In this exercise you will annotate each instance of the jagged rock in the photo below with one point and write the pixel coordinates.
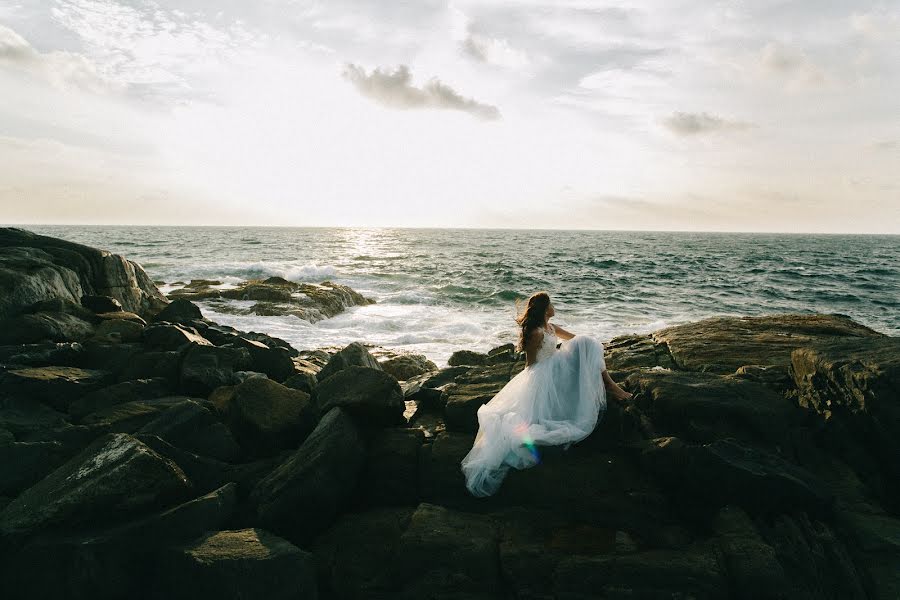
(407, 366)
(427, 388)
(703, 407)
(207, 367)
(245, 563)
(119, 393)
(192, 426)
(467, 357)
(369, 394)
(221, 335)
(122, 316)
(119, 330)
(162, 335)
(275, 362)
(723, 344)
(39, 267)
(179, 311)
(267, 417)
(115, 476)
(101, 304)
(627, 352)
(874, 540)
(472, 389)
(55, 386)
(305, 493)
(353, 354)
(128, 417)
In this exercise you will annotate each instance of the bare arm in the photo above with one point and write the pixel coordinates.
(532, 345)
(560, 332)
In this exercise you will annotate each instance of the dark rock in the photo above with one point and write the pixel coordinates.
(24, 416)
(207, 367)
(392, 471)
(302, 381)
(44, 327)
(275, 362)
(369, 394)
(267, 417)
(407, 366)
(171, 336)
(179, 311)
(119, 330)
(152, 365)
(67, 354)
(101, 304)
(246, 563)
(22, 464)
(191, 426)
(627, 352)
(114, 477)
(39, 267)
(55, 386)
(354, 354)
(119, 393)
(304, 494)
(703, 407)
(128, 417)
(467, 357)
(474, 388)
(723, 344)
(122, 316)
(874, 542)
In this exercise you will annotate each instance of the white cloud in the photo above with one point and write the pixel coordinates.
(688, 124)
(792, 66)
(64, 70)
(395, 89)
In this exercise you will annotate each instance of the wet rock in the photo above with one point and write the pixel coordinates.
(115, 476)
(245, 563)
(267, 417)
(304, 494)
(354, 354)
(407, 366)
(369, 394)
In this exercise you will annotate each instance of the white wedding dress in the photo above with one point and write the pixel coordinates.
(558, 399)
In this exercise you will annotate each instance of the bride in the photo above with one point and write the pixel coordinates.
(557, 399)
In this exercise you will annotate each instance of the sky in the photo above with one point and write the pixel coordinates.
(695, 115)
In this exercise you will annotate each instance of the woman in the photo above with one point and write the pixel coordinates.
(557, 399)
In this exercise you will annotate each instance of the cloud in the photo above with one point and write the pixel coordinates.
(63, 70)
(791, 65)
(885, 145)
(687, 124)
(395, 90)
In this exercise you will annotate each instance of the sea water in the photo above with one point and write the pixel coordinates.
(441, 290)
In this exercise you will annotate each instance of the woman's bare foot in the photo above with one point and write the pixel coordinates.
(618, 393)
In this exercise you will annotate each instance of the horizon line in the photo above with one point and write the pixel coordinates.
(383, 227)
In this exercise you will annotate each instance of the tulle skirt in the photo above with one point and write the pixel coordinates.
(557, 400)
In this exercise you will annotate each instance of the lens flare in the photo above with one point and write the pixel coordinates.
(528, 441)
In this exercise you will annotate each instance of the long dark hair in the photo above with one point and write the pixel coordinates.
(533, 316)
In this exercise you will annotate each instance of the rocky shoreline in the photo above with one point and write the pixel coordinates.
(152, 453)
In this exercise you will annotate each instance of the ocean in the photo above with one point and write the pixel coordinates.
(442, 290)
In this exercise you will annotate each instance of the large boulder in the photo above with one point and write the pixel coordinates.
(407, 366)
(55, 386)
(369, 394)
(36, 267)
(472, 389)
(119, 393)
(237, 564)
(44, 326)
(205, 368)
(722, 344)
(353, 354)
(114, 477)
(304, 494)
(391, 475)
(192, 426)
(267, 417)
